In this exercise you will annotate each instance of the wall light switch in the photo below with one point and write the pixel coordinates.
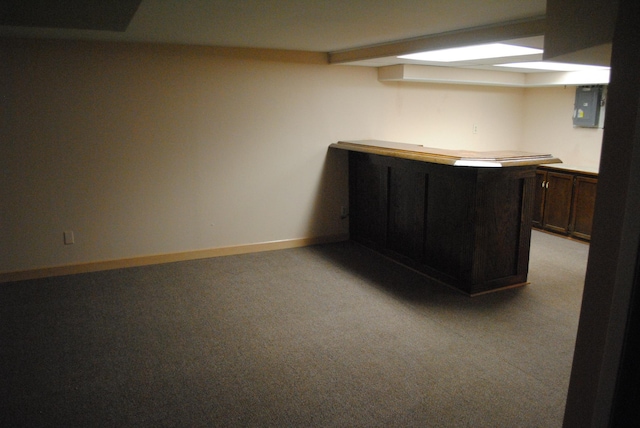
(68, 237)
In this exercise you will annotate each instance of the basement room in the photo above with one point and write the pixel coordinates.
(299, 213)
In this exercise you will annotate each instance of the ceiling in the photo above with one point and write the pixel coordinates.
(307, 25)
(353, 32)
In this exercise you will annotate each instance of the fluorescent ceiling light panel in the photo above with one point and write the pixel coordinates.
(552, 66)
(469, 53)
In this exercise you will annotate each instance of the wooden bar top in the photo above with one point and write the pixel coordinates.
(491, 159)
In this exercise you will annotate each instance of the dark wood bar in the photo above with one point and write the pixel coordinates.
(460, 217)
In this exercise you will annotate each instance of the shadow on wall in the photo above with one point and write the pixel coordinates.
(331, 195)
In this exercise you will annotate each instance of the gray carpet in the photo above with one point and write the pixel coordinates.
(327, 336)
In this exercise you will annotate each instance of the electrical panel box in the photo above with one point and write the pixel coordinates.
(586, 109)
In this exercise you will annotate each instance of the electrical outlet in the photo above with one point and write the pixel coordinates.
(68, 237)
(343, 212)
(475, 129)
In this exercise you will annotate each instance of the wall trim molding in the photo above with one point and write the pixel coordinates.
(167, 258)
(93, 46)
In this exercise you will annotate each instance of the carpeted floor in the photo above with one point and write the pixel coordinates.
(327, 336)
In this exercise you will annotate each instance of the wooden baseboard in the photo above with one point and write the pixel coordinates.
(166, 258)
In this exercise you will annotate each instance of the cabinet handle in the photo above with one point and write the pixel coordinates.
(543, 184)
(547, 186)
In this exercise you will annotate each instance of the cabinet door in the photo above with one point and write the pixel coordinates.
(538, 204)
(584, 200)
(557, 204)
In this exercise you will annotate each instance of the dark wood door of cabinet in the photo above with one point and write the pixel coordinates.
(557, 204)
(584, 200)
(538, 203)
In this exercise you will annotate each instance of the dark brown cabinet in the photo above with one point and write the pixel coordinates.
(538, 204)
(564, 201)
(460, 217)
(467, 227)
(557, 201)
(584, 201)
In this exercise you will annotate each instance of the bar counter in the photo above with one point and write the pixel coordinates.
(460, 217)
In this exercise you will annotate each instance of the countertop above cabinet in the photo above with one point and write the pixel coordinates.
(458, 158)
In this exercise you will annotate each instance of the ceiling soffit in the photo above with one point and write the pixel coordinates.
(486, 34)
(112, 15)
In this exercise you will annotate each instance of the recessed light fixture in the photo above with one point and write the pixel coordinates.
(552, 66)
(469, 53)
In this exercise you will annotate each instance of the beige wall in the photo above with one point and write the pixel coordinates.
(548, 127)
(151, 150)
